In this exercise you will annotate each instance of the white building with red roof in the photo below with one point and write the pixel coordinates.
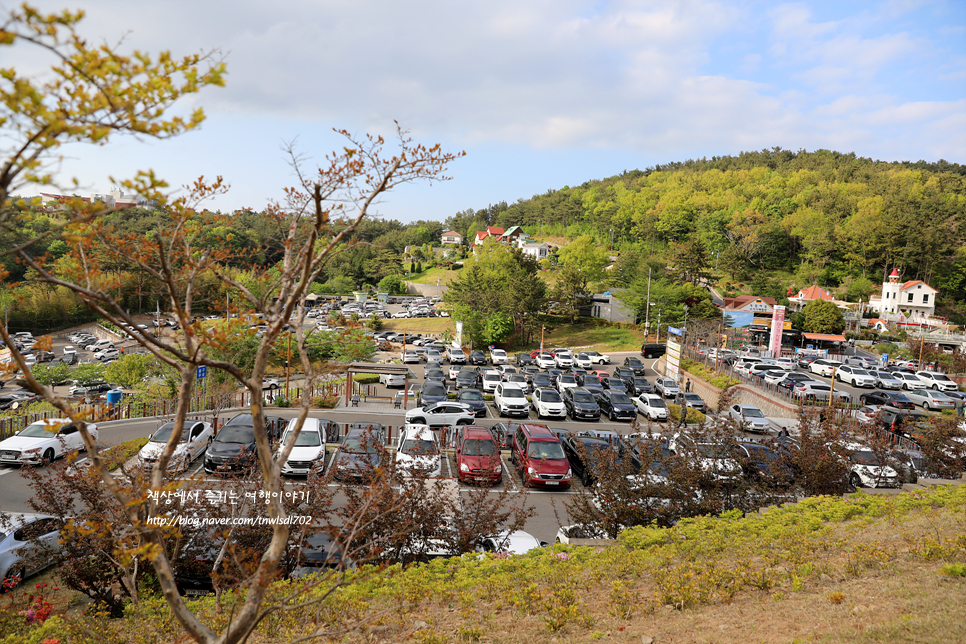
(913, 300)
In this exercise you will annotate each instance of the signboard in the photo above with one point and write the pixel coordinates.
(777, 324)
(674, 330)
(202, 372)
(885, 359)
(739, 318)
(458, 336)
(673, 359)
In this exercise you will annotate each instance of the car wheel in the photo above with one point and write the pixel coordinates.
(648, 355)
(935, 387)
(925, 405)
(854, 481)
(14, 578)
(585, 479)
(49, 455)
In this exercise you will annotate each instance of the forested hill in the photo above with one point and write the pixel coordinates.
(826, 213)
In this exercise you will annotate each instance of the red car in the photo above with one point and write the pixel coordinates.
(539, 456)
(478, 456)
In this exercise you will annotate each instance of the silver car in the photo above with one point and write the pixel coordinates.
(667, 387)
(26, 543)
(930, 399)
(749, 417)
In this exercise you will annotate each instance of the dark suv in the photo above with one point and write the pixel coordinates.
(653, 350)
(580, 403)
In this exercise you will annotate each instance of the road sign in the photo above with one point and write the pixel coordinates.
(202, 372)
(809, 346)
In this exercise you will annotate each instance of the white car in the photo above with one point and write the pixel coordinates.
(583, 361)
(866, 470)
(598, 358)
(418, 451)
(548, 403)
(499, 356)
(909, 381)
(453, 370)
(100, 344)
(823, 367)
(749, 417)
(109, 353)
(563, 359)
(48, 439)
(517, 542)
(858, 376)
(442, 414)
(545, 361)
(506, 371)
(651, 406)
(786, 363)
(271, 383)
(195, 438)
(510, 400)
(399, 315)
(392, 379)
(308, 454)
(489, 379)
(69, 351)
(937, 381)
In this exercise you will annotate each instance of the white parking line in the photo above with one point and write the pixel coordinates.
(8, 470)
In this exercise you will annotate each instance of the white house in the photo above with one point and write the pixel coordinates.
(452, 237)
(913, 299)
(536, 250)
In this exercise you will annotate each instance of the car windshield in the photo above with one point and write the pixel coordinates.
(433, 389)
(307, 438)
(549, 396)
(752, 413)
(761, 453)
(940, 378)
(938, 395)
(583, 397)
(546, 450)
(479, 447)
(591, 380)
(694, 397)
(164, 433)
(471, 395)
(865, 457)
(859, 372)
(240, 434)
(884, 375)
(491, 376)
(465, 373)
(620, 399)
(655, 402)
(568, 380)
(513, 392)
(670, 383)
(360, 445)
(39, 430)
(420, 446)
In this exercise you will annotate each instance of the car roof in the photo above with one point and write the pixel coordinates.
(477, 431)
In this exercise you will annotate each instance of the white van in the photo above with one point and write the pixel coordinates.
(308, 453)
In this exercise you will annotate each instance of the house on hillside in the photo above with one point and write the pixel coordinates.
(536, 250)
(452, 237)
(913, 300)
(512, 234)
(605, 306)
(491, 231)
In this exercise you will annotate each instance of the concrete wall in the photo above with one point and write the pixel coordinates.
(425, 290)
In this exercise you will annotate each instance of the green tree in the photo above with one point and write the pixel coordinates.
(691, 261)
(822, 316)
(131, 370)
(392, 284)
(51, 373)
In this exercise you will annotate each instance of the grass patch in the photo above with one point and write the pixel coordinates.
(429, 276)
(719, 380)
(592, 336)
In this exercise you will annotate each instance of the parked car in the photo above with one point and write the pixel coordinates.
(308, 454)
(867, 415)
(667, 387)
(539, 457)
(418, 452)
(489, 380)
(28, 545)
(442, 414)
(597, 358)
(105, 355)
(455, 355)
(909, 381)
(393, 379)
(937, 381)
(517, 542)
(887, 398)
(638, 386)
(44, 440)
(510, 399)
(580, 403)
(195, 437)
(431, 392)
(867, 470)
(474, 399)
(617, 405)
(410, 357)
(522, 359)
(857, 376)
(885, 379)
(466, 377)
(635, 365)
(566, 381)
(815, 390)
(477, 358)
(499, 356)
(563, 358)
(823, 367)
(694, 401)
(931, 399)
(478, 456)
(587, 456)
(545, 361)
(233, 448)
(548, 403)
(764, 465)
(590, 383)
(652, 406)
(359, 454)
(750, 418)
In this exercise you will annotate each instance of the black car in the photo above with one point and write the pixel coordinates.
(540, 380)
(615, 384)
(763, 464)
(587, 456)
(580, 403)
(804, 362)
(233, 448)
(635, 365)
(503, 434)
(638, 386)
(624, 373)
(579, 373)
(888, 399)
(432, 392)
(591, 384)
(435, 375)
(899, 421)
(523, 359)
(466, 378)
(616, 404)
(653, 350)
(554, 374)
(476, 358)
(359, 454)
(473, 398)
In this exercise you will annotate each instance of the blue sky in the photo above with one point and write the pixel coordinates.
(540, 94)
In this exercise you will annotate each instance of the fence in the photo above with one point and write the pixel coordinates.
(164, 407)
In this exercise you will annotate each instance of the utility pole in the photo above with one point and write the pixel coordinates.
(543, 330)
(658, 326)
(288, 360)
(647, 307)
